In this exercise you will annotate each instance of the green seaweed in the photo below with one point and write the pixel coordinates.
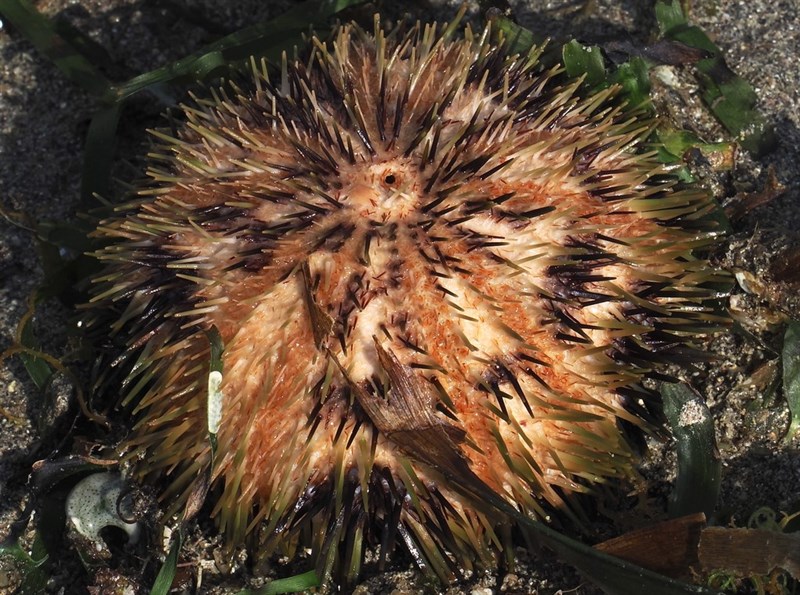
(729, 97)
(634, 79)
(587, 61)
(673, 144)
(518, 40)
(30, 565)
(631, 76)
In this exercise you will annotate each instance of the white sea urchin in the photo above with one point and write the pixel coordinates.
(430, 262)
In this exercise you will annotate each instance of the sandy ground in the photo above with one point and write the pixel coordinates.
(44, 118)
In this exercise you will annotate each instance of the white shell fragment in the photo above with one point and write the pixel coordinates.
(214, 401)
(92, 505)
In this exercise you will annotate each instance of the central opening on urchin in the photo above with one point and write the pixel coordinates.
(381, 191)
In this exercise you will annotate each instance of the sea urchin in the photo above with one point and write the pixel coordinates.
(437, 271)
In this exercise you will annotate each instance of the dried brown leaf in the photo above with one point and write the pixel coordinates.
(669, 547)
(744, 202)
(321, 322)
(749, 552)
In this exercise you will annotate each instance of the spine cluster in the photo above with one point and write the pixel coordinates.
(439, 272)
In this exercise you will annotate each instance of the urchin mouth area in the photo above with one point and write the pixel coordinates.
(430, 264)
(382, 192)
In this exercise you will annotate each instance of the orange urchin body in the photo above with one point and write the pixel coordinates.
(431, 263)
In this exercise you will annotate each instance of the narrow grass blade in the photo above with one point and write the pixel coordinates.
(166, 575)
(215, 396)
(699, 466)
(791, 376)
(268, 39)
(611, 574)
(37, 368)
(46, 37)
(292, 584)
(98, 155)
